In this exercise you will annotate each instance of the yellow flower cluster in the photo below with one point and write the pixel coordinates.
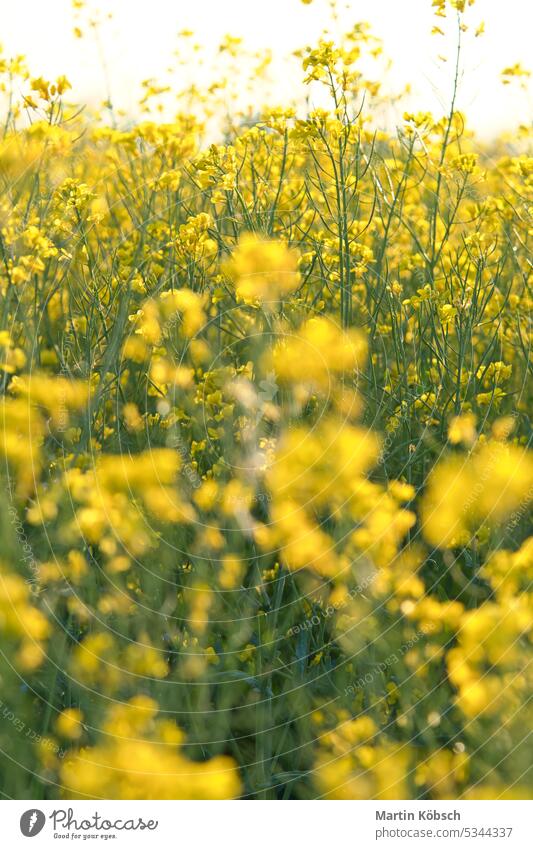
(467, 493)
(264, 441)
(262, 270)
(142, 760)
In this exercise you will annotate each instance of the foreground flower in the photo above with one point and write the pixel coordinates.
(141, 759)
(263, 270)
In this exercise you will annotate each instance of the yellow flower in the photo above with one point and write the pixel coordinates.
(68, 724)
(263, 270)
(62, 84)
(231, 572)
(516, 71)
(463, 429)
(483, 487)
(318, 353)
(140, 758)
(41, 86)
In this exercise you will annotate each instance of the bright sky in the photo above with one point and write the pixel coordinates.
(139, 40)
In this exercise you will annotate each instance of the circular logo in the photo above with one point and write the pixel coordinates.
(32, 822)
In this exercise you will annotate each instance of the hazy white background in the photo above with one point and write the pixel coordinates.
(139, 41)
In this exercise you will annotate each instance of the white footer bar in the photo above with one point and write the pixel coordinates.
(267, 825)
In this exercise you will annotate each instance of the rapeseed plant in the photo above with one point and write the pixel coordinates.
(265, 448)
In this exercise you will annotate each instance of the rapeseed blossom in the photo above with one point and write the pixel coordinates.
(264, 441)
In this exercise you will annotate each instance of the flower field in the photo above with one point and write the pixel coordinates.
(264, 429)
